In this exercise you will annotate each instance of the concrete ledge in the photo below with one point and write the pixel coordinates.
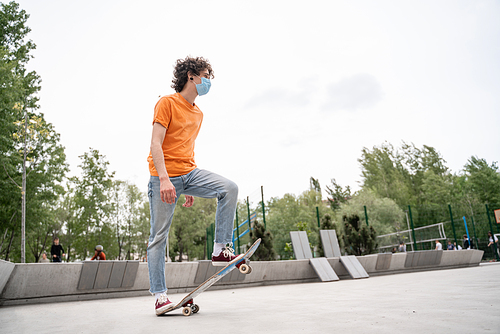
(55, 282)
(6, 269)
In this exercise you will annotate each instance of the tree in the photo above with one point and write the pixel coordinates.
(400, 174)
(383, 213)
(314, 185)
(265, 252)
(136, 222)
(187, 233)
(17, 96)
(46, 168)
(92, 196)
(291, 212)
(66, 219)
(482, 180)
(358, 239)
(142, 228)
(338, 194)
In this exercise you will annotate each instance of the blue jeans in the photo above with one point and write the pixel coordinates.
(197, 183)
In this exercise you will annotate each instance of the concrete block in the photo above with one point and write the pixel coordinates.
(476, 257)
(416, 259)
(32, 280)
(409, 259)
(55, 282)
(233, 276)
(142, 277)
(181, 274)
(6, 269)
(323, 269)
(130, 274)
(338, 267)
(87, 275)
(116, 276)
(383, 262)
(103, 273)
(286, 270)
(300, 244)
(466, 256)
(353, 267)
(330, 243)
(425, 258)
(369, 262)
(398, 261)
(439, 256)
(202, 271)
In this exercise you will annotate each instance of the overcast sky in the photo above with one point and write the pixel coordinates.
(300, 86)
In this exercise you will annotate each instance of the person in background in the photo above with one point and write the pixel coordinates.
(99, 254)
(439, 246)
(44, 259)
(402, 247)
(56, 250)
(467, 243)
(450, 246)
(493, 243)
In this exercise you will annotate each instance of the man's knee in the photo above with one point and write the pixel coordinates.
(231, 188)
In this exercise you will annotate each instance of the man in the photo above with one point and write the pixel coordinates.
(44, 258)
(56, 251)
(439, 246)
(99, 254)
(402, 247)
(467, 242)
(177, 121)
(492, 242)
(450, 246)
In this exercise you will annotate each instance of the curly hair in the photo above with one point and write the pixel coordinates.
(193, 65)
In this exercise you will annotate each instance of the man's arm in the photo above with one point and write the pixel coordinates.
(167, 189)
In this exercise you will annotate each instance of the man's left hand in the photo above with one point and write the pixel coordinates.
(189, 201)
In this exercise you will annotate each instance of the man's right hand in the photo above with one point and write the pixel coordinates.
(167, 191)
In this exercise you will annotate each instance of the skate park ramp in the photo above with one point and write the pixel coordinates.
(330, 243)
(302, 250)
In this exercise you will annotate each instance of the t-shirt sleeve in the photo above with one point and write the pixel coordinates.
(163, 112)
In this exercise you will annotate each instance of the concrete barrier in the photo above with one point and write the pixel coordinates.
(6, 269)
(54, 282)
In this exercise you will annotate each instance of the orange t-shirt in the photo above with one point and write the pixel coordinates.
(99, 257)
(182, 121)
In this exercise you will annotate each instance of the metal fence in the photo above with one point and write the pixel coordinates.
(472, 219)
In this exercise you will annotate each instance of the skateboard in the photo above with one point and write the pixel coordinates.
(187, 303)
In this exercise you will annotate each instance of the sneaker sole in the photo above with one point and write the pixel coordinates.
(223, 263)
(164, 309)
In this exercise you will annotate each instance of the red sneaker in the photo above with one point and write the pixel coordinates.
(163, 304)
(225, 257)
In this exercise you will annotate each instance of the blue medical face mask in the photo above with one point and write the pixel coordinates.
(204, 86)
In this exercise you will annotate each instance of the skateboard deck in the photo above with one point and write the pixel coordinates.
(187, 302)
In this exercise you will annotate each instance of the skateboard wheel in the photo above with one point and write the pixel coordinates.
(245, 269)
(195, 308)
(186, 311)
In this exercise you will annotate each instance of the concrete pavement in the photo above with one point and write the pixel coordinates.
(465, 300)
